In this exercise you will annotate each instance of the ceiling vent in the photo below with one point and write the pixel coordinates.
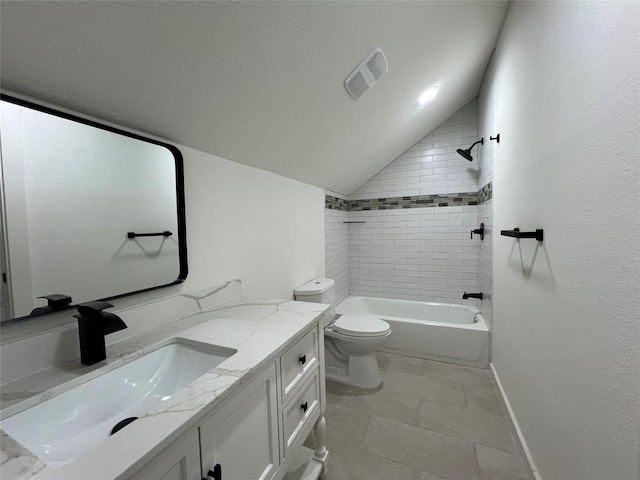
(367, 73)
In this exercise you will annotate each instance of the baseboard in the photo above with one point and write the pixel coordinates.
(521, 444)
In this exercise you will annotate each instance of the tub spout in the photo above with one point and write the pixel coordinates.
(466, 295)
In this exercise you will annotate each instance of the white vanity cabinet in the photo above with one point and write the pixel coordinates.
(240, 440)
(181, 461)
(257, 434)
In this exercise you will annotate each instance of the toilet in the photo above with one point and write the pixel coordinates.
(350, 341)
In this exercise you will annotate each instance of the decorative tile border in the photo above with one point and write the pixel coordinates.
(335, 203)
(485, 193)
(415, 201)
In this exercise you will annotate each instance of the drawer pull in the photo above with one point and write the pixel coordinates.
(303, 359)
(216, 473)
(304, 406)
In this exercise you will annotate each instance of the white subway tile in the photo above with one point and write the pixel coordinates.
(419, 236)
(405, 193)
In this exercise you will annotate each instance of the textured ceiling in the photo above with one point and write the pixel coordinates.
(259, 83)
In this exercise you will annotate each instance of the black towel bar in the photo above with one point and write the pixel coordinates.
(516, 233)
(158, 234)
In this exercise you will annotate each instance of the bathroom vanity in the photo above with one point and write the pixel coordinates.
(246, 418)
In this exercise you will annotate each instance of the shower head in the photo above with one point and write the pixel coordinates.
(466, 154)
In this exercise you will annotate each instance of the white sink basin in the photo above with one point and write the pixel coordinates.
(64, 427)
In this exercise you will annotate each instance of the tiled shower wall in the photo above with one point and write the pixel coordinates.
(485, 260)
(337, 250)
(415, 254)
(420, 253)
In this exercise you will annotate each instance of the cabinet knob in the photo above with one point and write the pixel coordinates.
(303, 359)
(216, 473)
(304, 406)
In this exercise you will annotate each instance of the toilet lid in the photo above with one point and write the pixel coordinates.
(361, 325)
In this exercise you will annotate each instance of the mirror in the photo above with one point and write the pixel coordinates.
(88, 211)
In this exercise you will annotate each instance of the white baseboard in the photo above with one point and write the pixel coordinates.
(521, 444)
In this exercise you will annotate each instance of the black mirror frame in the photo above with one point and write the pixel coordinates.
(180, 199)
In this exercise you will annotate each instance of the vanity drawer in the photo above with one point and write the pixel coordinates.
(302, 410)
(297, 362)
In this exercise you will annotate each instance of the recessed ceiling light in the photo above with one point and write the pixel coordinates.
(428, 94)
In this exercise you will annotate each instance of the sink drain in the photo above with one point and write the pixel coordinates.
(122, 423)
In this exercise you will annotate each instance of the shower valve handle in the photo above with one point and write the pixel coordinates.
(478, 231)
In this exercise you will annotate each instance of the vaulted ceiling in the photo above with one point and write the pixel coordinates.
(259, 83)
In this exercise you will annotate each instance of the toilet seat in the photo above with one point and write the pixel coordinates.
(361, 326)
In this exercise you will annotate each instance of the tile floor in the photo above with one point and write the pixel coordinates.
(428, 421)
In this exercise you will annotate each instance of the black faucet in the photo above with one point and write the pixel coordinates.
(93, 325)
(55, 302)
(466, 295)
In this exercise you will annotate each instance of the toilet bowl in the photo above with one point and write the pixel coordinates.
(350, 340)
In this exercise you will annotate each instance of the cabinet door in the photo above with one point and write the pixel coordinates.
(181, 461)
(242, 437)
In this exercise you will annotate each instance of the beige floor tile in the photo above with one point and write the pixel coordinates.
(345, 425)
(498, 465)
(483, 399)
(367, 438)
(347, 462)
(342, 389)
(384, 402)
(439, 371)
(473, 425)
(418, 475)
(422, 449)
(424, 388)
(400, 363)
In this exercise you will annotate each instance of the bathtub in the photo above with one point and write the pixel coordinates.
(435, 331)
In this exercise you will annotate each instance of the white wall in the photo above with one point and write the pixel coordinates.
(563, 92)
(260, 227)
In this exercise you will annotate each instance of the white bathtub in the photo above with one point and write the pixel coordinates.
(435, 331)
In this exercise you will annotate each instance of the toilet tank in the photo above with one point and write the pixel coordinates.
(318, 290)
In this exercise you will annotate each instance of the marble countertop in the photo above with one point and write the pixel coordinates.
(259, 329)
